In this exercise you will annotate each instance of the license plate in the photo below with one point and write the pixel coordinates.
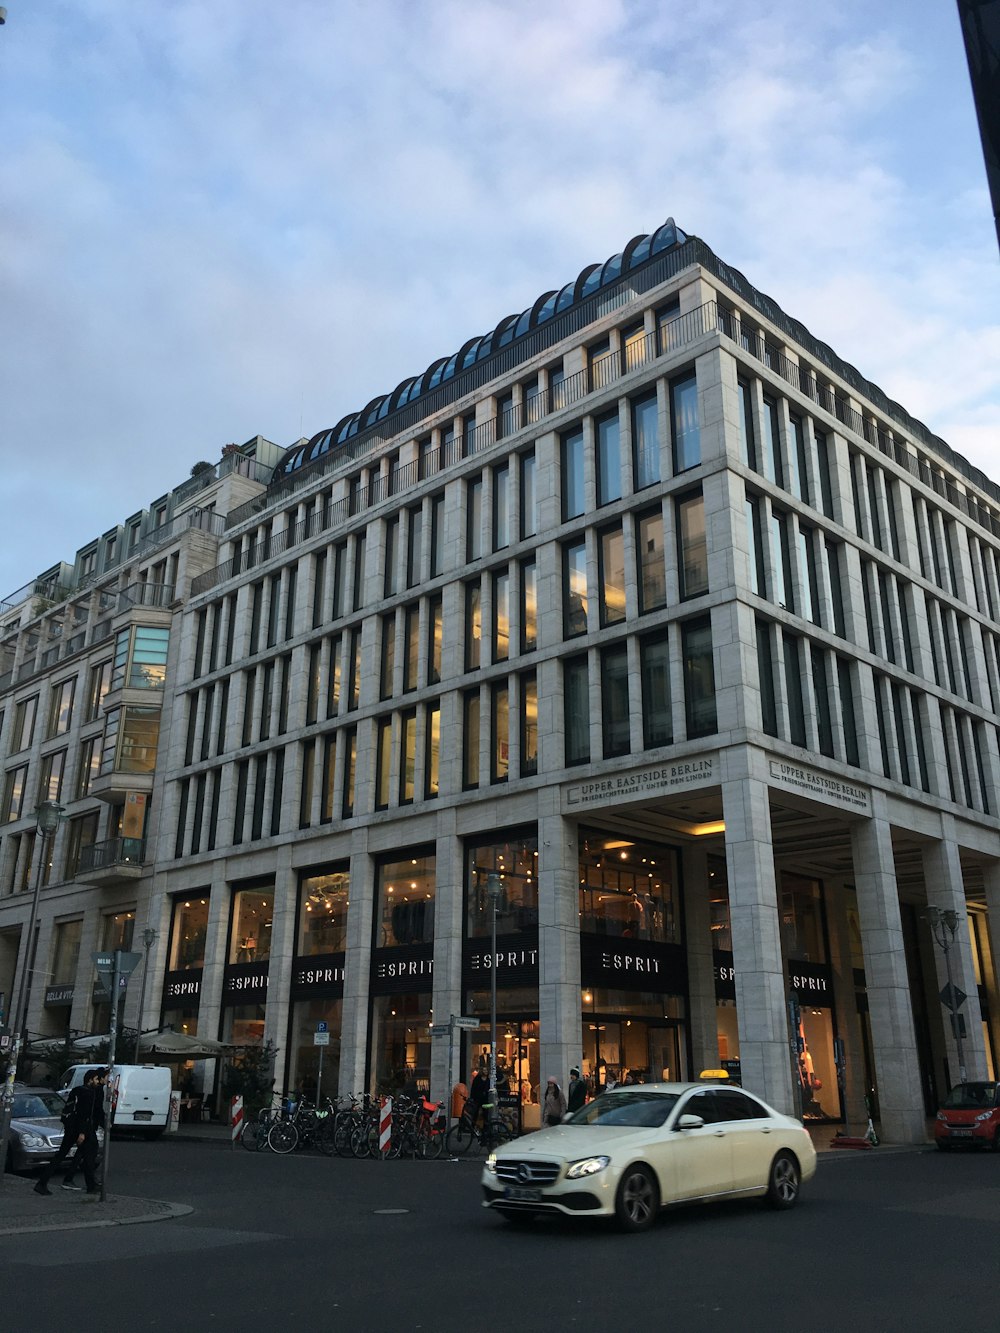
(961, 1133)
(522, 1195)
(143, 1115)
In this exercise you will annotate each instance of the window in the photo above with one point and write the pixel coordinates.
(797, 463)
(470, 740)
(100, 683)
(140, 661)
(628, 889)
(89, 765)
(437, 535)
(823, 467)
(529, 606)
(312, 686)
(684, 415)
(334, 669)
(652, 571)
(693, 548)
(666, 329)
(474, 519)
(765, 671)
(383, 763)
(350, 769)
(557, 388)
(13, 793)
(529, 497)
(80, 833)
(576, 704)
(432, 751)
(407, 758)
(771, 442)
(612, 581)
(748, 444)
(354, 692)
(501, 507)
(832, 550)
(360, 547)
(573, 489)
(793, 689)
(699, 677)
(821, 689)
(499, 731)
(808, 582)
(780, 563)
(473, 626)
(415, 548)
(391, 580)
(529, 724)
(61, 707)
(574, 590)
(609, 459)
(635, 350)
(758, 582)
(645, 441)
(253, 912)
(51, 777)
(131, 736)
(319, 588)
(411, 630)
(24, 724)
(601, 365)
(435, 626)
(614, 700)
(339, 606)
(654, 658)
(501, 617)
(388, 656)
(406, 891)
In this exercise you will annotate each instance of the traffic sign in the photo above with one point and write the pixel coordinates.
(104, 965)
(440, 1029)
(953, 998)
(321, 1039)
(470, 1023)
(322, 1026)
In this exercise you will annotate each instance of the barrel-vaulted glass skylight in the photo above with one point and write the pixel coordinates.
(511, 327)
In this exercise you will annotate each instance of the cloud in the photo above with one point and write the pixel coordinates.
(228, 219)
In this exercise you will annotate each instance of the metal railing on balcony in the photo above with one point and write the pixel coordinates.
(114, 852)
(146, 594)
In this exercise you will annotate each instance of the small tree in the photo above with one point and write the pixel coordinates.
(201, 467)
(249, 1073)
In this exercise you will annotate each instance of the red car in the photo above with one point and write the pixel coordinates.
(969, 1115)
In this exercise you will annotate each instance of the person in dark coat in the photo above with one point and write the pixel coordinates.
(84, 1116)
(554, 1105)
(577, 1091)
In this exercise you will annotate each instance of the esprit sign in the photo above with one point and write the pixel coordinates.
(182, 986)
(321, 975)
(632, 966)
(397, 970)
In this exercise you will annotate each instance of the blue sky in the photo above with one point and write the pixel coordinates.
(220, 218)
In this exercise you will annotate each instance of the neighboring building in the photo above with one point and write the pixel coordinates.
(980, 21)
(644, 602)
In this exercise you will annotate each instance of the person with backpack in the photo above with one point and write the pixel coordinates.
(83, 1116)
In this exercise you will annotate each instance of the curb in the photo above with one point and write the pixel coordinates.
(31, 1224)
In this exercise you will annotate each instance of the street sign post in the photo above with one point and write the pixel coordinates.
(469, 1024)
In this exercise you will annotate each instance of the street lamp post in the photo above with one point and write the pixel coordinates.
(47, 817)
(494, 891)
(944, 926)
(148, 936)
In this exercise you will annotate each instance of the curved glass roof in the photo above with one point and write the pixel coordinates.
(511, 327)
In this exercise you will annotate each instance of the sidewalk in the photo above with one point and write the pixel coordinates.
(23, 1211)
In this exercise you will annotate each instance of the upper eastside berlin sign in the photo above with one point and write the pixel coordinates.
(660, 780)
(821, 786)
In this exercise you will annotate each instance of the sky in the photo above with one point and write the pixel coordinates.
(224, 218)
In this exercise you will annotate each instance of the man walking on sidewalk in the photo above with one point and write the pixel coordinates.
(84, 1116)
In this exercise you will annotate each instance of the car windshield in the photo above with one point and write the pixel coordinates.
(640, 1109)
(36, 1105)
(971, 1097)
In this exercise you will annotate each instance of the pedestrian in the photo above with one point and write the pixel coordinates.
(554, 1106)
(84, 1116)
(68, 1142)
(577, 1092)
(478, 1094)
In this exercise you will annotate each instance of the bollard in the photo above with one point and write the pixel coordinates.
(236, 1117)
(384, 1125)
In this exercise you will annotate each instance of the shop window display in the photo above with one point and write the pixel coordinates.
(516, 862)
(406, 896)
(188, 932)
(401, 1043)
(244, 1025)
(304, 1073)
(628, 888)
(632, 1037)
(519, 1077)
(250, 938)
(323, 913)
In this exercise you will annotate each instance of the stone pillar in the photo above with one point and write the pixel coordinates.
(284, 929)
(702, 1024)
(946, 892)
(893, 1040)
(845, 999)
(559, 1001)
(449, 937)
(354, 1031)
(765, 1058)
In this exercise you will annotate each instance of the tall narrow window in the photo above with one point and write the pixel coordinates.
(765, 672)
(470, 740)
(612, 576)
(473, 627)
(412, 659)
(319, 587)
(500, 731)
(748, 442)
(529, 724)
(575, 590)
(780, 563)
(797, 461)
(501, 507)
(609, 459)
(415, 548)
(793, 689)
(529, 497)
(657, 723)
(501, 616)
(652, 570)
(408, 758)
(388, 656)
(432, 752)
(437, 535)
(576, 705)
(846, 686)
(350, 769)
(699, 677)
(771, 442)
(758, 582)
(354, 695)
(334, 668)
(474, 519)
(821, 689)
(573, 493)
(684, 414)
(807, 575)
(693, 546)
(529, 606)
(383, 762)
(645, 441)
(360, 548)
(391, 581)
(823, 468)
(614, 700)
(435, 621)
(836, 591)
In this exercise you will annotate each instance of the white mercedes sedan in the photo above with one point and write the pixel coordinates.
(634, 1150)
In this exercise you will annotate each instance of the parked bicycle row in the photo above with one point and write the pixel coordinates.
(355, 1127)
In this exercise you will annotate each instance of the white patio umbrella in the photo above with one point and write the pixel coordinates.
(178, 1046)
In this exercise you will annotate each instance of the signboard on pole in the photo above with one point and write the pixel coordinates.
(321, 1039)
(471, 1024)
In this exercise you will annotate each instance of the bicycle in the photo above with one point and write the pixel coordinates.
(302, 1125)
(253, 1136)
(466, 1139)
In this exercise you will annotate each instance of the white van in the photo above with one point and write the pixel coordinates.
(143, 1095)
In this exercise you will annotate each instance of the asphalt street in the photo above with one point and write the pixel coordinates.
(904, 1240)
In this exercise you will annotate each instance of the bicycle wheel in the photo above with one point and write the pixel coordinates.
(430, 1143)
(342, 1131)
(250, 1135)
(282, 1137)
(361, 1136)
(325, 1135)
(461, 1137)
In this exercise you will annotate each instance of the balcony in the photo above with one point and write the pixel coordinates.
(113, 863)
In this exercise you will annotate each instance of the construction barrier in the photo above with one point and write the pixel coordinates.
(384, 1124)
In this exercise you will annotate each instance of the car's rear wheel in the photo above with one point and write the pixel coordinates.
(784, 1181)
(638, 1199)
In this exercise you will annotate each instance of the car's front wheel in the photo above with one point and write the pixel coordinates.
(784, 1181)
(638, 1199)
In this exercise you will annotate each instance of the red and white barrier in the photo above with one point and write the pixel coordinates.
(384, 1124)
(236, 1117)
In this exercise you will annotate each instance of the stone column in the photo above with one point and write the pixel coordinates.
(702, 1024)
(284, 929)
(354, 1032)
(894, 1042)
(765, 1058)
(559, 1000)
(946, 892)
(449, 937)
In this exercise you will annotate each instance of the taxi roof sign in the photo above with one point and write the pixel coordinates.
(715, 1076)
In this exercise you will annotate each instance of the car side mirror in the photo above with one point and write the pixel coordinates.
(690, 1122)
(568, 1116)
